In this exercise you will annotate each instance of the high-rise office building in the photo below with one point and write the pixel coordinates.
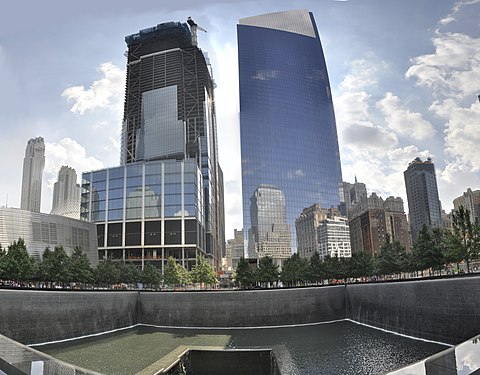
(33, 165)
(351, 194)
(287, 123)
(165, 198)
(422, 194)
(470, 200)
(269, 235)
(66, 194)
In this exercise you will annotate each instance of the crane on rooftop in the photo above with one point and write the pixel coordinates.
(194, 27)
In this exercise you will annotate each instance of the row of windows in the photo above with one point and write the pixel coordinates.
(152, 233)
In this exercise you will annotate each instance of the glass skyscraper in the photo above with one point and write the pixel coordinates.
(165, 199)
(424, 206)
(287, 123)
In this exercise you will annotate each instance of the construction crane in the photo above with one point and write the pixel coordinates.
(194, 27)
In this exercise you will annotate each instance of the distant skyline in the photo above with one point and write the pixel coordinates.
(405, 78)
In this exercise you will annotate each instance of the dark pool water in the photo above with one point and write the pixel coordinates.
(343, 348)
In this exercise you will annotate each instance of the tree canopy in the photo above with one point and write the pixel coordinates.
(203, 272)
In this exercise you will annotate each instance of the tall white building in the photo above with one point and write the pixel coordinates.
(33, 165)
(334, 238)
(66, 194)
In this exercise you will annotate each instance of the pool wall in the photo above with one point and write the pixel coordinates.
(445, 310)
(36, 316)
(243, 308)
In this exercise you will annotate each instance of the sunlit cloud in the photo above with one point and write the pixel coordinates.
(451, 17)
(102, 93)
(363, 73)
(403, 121)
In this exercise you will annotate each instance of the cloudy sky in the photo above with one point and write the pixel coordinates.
(405, 77)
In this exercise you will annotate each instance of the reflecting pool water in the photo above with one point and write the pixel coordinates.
(334, 348)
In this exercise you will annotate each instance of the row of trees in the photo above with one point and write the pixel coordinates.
(434, 250)
(60, 268)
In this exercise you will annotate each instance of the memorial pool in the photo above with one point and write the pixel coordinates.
(342, 347)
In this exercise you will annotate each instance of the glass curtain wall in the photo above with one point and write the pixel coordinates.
(287, 122)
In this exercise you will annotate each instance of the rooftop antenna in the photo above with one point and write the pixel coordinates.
(194, 27)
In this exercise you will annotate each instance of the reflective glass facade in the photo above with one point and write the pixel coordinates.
(147, 211)
(287, 123)
(166, 199)
(161, 134)
(422, 195)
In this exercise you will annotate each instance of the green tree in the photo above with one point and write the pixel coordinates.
(55, 265)
(80, 268)
(174, 273)
(203, 272)
(392, 258)
(107, 273)
(19, 265)
(151, 276)
(3, 262)
(428, 249)
(267, 271)
(361, 264)
(335, 268)
(244, 275)
(294, 270)
(129, 273)
(465, 236)
(316, 269)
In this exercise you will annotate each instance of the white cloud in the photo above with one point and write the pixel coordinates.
(105, 92)
(64, 152)
(363, 73)
(462, 135)
(68, 152)
(403, 121)
(456, 8)
(453, 70)
(354, 123)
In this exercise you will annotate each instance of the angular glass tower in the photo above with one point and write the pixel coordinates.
(424, 206)
(287, 123)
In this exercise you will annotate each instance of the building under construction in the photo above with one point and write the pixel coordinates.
(169, 127)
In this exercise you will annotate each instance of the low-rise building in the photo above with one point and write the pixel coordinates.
(40, 231)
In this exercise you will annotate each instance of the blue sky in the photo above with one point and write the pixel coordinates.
(405, 77)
